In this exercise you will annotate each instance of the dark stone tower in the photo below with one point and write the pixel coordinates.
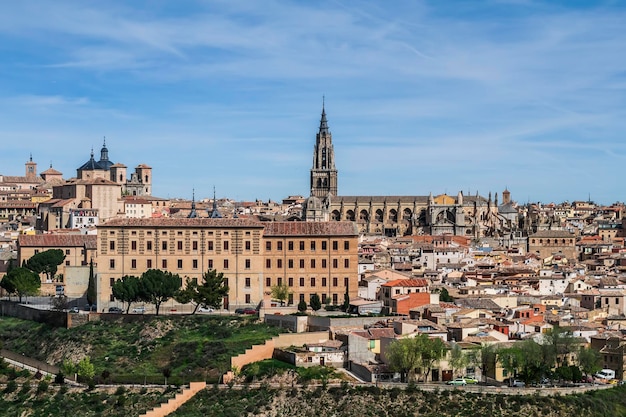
(323, 173)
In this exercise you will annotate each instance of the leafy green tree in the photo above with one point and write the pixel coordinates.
(21, 281)
(346, 302)
(46, 262)
(412, 353)
(85, 369)
(91, 288)
(7, 284)
(210, 293)
(315, 302)
(588, 360)
(281, 293)
(458, 359)
(158, 286)
(60, 303)
(511, 360)
(444, 296)
(302, 306)
(127, 290)
(558, 345)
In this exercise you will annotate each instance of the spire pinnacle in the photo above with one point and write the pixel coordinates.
(323, 121)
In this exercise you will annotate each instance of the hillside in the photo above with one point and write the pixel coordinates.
(136, 349)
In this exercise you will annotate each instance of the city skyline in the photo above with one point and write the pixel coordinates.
(421, 98)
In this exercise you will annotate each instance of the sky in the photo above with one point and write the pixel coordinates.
(421, 96)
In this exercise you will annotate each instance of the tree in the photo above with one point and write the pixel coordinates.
(281, 293)
(60, 303)
(158, 286)
(210, 293)
(85, 369)
(558, 344)
(21, 281)
(346, 302)
(302, 306)
(511, 360)
(46, 262)
(588, 360)
(412, 353)
(91, 288)
(444, 296)
(458, 359)
(127, 290)
(315, 302)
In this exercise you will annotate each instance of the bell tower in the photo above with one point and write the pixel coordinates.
(323, 173)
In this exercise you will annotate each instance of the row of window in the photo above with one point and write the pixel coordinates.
(312, 245)
(313, 281)
(179, 264)
(301, 263)
(179, 245)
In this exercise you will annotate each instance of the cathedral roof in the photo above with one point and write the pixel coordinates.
(90, 165)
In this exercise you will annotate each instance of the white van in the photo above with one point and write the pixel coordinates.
(605, 374)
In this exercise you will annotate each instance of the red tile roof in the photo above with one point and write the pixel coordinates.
(58, 241)
(419, 282)
(310, 229)
(180, 222)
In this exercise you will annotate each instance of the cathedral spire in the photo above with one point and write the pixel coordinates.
(192, 213)
(323, 121)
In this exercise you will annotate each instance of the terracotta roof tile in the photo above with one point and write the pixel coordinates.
(58, 241)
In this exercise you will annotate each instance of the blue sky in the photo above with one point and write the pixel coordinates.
(421, 96)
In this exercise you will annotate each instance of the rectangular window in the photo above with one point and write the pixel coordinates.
(133, 263)
(225, 263)
(280, 281)
(290, 263)
(290, 301)
(345, 281)
(290, 245)
(323, 245)
(323, 298)
(247, 262)
(323, 281)
(210, 262)
(302, 282)
(133, 245)
(247, 282)
(67, 251)
(111, 245)
(164, 245)
(290, 281)
(301, 263)
(346, 263)
(279, 263)
(302, 245)
(149, 263)
(179, 264)
(111, 281)
(180, 244)
(335, 245)
(209, 245)
(346, 245)
(149, 245)
(164, 264)
(312, 281)
(301, 297)
(312, 245)
(268, 282)
(268, 245)
(323, 263)
(335, 281)
(268, 263)
(279, 245)
(248, 245)
(335, 299)
(335, 263)
(226, 245)
(248, 299)
(67, 263)
(194, 263)
(194, 245)
(112, 263)
(312, 263)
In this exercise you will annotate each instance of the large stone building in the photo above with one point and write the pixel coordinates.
(310, 258)
(464, 215)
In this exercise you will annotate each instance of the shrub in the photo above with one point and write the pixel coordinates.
(42, 387)
(59, 378)
(11, 387)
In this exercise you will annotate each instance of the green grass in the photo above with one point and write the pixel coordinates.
(198, 347)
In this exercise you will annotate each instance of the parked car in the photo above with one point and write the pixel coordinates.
(87, 307)
(139, 310)
(457, 381)
(116, 310)
(518, 384)
(470, 380)
(239, 310)
(74, 310)
(202, 309)
(249, 311)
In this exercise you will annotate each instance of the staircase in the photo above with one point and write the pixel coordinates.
(172, 404)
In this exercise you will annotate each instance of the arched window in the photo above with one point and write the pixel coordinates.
(350, 215)
(364, 216)
(379, 216)
(406, 214)
(393, 216)
(335, 215)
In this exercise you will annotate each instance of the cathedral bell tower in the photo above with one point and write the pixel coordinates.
(323, 173)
